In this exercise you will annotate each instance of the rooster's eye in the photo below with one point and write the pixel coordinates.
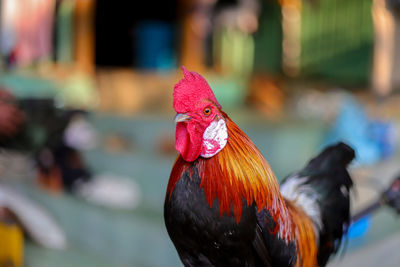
(207, 111)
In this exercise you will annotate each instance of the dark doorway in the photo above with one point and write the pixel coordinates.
(116, 23)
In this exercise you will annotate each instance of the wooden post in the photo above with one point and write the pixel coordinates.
(194, 31)
(291, 43)
(84, 35)
(383, 48)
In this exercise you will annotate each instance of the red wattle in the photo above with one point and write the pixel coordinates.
(188, 141)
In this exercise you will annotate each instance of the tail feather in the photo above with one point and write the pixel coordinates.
(321, 189)
(332, 157)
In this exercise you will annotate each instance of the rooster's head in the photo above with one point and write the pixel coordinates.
(200, 123)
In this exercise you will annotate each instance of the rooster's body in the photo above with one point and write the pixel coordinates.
(223, 205)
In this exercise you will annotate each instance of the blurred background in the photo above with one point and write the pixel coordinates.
(86, 118)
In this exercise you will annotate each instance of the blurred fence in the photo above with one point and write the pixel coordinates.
(337, 39)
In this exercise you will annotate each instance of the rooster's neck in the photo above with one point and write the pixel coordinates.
(238, 175)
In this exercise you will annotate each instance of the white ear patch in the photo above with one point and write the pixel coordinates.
(214, 138)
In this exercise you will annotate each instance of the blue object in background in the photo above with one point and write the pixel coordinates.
(384, 133)
(154, 45)
(372, 140)
(359, 228)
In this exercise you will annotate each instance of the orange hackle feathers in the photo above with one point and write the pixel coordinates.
(239, 173)
(304, 237)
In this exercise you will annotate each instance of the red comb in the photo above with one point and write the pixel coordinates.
(190, 90)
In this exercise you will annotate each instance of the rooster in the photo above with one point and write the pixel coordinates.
(37, 127)
(223, 205)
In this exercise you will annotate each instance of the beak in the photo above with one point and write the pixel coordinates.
(181, 117)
